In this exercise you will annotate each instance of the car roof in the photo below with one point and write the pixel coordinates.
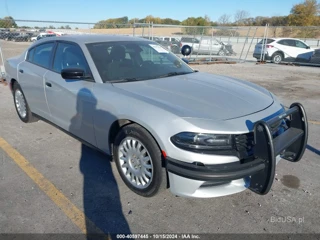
(277, 39)
(93, 38)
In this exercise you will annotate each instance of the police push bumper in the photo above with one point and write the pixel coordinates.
(260, 170)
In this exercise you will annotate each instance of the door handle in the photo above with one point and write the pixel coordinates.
(20, 70)
(48, 84)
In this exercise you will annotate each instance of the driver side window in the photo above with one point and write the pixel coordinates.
(69, 56)
(300, 44)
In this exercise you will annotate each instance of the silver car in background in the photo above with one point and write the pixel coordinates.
(165, 125)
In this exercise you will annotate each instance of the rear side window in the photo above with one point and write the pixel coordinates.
(268, 41)
(42, 55)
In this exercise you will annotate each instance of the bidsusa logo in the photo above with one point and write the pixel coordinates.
(287, 219)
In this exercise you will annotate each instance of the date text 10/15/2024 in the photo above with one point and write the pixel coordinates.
(158, 236)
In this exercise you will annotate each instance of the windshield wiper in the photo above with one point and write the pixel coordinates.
(173, 74)
(125, 80)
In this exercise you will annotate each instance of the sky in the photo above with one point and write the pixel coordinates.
(96, 10)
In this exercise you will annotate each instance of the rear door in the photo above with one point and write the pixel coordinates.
(30, 75)
(71, 102)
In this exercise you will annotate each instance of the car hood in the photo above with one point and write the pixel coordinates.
(201, 95)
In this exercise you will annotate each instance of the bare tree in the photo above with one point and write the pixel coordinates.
(224, 19)
(240, 16)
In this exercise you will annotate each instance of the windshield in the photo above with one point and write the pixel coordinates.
(135, 60)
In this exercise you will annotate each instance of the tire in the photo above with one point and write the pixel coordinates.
(277, 57)
(222, 53)
(132, 168)
(187, 50)
(20, 103)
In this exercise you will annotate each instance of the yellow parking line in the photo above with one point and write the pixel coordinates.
(72, 212)
(314, 122)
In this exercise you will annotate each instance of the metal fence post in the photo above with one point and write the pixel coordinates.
(211, 44)
(263, 39)
(134, 28)
(200, 41)
(255, 32)
(244, 44)
(2, 69)
(265, 42)
(152, 31)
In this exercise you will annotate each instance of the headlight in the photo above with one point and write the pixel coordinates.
(202, 141)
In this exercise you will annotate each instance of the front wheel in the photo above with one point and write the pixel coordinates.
(221, 53)
(277, 58)
(139, 160)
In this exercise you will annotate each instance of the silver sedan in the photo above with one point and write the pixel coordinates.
(164, 124)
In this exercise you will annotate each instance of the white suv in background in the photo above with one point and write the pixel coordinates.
(279, 49)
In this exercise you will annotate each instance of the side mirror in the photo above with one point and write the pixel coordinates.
(308, 47)
(72, 73)
(186, 50)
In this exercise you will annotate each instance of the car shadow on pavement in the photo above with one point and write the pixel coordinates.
(101, 198)
(314, 150)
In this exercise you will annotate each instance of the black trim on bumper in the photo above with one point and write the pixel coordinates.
(261, 169)
(218, 172)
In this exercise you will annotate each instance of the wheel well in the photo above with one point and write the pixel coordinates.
(12, 83)
(114, 129)
(282, 54)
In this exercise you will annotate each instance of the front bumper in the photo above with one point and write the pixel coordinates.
(256, 173)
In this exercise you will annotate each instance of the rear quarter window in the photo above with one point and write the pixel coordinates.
(42, 54)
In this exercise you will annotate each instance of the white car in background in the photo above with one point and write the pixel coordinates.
(279, 49)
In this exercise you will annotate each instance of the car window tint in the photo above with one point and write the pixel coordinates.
(300, 44)
(292, 43)
(69, 56)
(42, 54)
(30, 55)
(268, 41)
(167, 39)
(287, 42)
(134, 60)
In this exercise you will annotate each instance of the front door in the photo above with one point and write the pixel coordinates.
(71, 102)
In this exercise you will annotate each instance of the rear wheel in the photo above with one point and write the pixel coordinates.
(277, 57)
(139, 160)
(21, 105)
(221, 53)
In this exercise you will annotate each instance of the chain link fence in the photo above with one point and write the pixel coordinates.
(207, 43)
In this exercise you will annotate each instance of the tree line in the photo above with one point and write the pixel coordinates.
(303, 14)
(306, 13)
